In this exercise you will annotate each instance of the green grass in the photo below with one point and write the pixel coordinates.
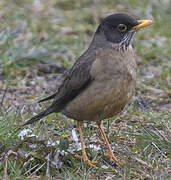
(58, 32)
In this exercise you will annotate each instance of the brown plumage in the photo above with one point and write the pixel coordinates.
(102, 81)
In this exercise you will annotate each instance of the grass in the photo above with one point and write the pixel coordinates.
(57, 32)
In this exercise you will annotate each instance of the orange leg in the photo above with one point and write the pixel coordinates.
(110, 154)
(84, 155)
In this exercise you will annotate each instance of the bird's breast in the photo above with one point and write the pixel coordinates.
(114, 75)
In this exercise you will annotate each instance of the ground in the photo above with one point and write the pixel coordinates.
(39, 40)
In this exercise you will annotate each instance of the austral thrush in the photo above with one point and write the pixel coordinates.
(102, 80)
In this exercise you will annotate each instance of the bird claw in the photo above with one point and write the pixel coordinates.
(111, 157)
(87, 161)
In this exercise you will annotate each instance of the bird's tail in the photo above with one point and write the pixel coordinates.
(44, 113)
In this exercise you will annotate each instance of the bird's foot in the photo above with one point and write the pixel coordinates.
(87, 161)
(111, 157)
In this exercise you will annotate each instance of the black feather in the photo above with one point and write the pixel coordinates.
(48, 98)
(41, 115)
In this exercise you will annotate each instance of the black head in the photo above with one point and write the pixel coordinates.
(118, 28)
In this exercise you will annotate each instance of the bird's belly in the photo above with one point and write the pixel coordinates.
(101, 100)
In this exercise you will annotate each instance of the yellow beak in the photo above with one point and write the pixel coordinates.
(142, 24)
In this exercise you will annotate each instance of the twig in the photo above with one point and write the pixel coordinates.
(31, 169)
(143, 162)
(108, 128)
(38, 168)
(48, 160)
(3, 97)
(6, 163)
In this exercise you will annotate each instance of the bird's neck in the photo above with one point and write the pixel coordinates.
(121, 47)
(100, 41)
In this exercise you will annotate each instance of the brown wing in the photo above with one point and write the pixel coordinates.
(76, 81)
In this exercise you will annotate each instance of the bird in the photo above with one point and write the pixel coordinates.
(102, 81)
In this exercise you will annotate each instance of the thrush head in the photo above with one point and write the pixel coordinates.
(120, 29)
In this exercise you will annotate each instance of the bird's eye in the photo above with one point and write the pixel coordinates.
(122, 27)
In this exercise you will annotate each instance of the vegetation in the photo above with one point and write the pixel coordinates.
(38, 40)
